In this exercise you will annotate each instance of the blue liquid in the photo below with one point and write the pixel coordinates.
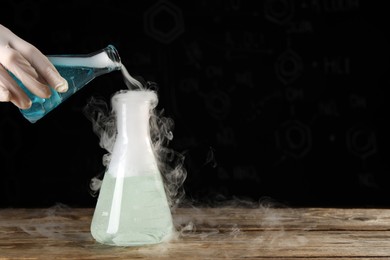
(77, 78)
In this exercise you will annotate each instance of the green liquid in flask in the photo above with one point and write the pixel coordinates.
(132, 211)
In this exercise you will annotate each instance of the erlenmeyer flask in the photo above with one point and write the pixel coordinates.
(132, 207)
(78, 70)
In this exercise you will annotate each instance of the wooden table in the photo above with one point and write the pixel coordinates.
(61, 232)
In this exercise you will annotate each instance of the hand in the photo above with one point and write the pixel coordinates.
(30, 66)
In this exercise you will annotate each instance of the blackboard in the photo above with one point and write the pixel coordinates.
(279, 99)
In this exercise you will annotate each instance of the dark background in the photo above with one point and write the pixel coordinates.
(282, 99)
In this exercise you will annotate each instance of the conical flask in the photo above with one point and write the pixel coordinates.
(78, 70)
(132, 207)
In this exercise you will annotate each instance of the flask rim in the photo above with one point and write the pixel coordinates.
(112, 53)
(136, 95)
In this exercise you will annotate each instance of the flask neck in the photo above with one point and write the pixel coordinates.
(107, 58)
(133, 153)
(132, 109)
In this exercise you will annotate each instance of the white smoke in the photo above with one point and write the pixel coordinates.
(170, 162)
(171, 165)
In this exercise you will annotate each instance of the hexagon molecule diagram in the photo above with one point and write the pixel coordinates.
(164, 22)
(294, 138)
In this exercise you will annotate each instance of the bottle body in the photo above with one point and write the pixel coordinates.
(132, 208)
(78, 70)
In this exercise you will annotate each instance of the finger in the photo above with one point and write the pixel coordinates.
(11, 91)
(41, 64)
(5, 95)
(22, 69)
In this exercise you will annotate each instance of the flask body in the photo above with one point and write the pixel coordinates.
(78, 70)
(138, 216)
(132, 208)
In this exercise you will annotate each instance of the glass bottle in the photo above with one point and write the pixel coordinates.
(132, 207)
(78, 70)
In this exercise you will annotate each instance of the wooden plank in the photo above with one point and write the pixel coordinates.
(287, 219)
(252, 246)
(206, 233)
